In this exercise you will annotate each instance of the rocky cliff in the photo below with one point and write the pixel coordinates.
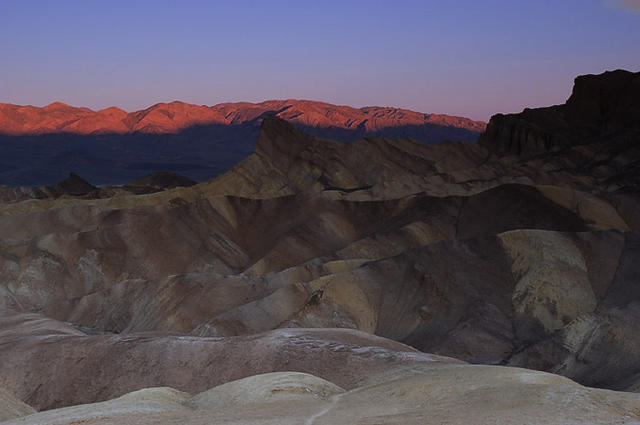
(600, 106)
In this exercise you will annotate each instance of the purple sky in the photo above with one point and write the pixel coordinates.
(466, 57)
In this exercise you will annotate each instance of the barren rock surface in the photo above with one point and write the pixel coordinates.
(455, 394)
(307, 233)
(175, 116)
(49, 364)
(347, 263)
(12, 407)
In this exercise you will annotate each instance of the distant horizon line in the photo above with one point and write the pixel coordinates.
(286, 100)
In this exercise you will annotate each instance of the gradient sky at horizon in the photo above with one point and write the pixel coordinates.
(469, 57)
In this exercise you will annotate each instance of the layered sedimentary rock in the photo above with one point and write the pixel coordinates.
(465, 251)
(492, 395)
(49, 364)
(288, 376)
(307, 233)
(11, 407)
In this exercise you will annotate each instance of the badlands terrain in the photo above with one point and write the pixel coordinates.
(382, 281)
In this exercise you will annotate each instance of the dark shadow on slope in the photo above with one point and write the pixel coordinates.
(199, 152)
(429, 134)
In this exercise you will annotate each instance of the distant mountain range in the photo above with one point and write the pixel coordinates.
(176, 116)
(40, 146)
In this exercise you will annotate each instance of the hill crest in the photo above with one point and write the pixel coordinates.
(175, 116)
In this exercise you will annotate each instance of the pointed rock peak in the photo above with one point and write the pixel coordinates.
(75, 179)
(283, 143)
(277, 133)
(73, 185)
(162, 180)
(271, 122)
(112, 110)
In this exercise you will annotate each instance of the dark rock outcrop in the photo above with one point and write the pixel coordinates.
(74, 185)
(601, 106)
(158, 181)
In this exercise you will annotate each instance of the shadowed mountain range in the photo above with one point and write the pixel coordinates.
(378, 279)
(41, 145)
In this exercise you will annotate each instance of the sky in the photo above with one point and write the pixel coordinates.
(469, 58)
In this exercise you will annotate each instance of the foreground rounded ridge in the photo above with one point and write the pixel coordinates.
(267, 387)
(427, 394)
